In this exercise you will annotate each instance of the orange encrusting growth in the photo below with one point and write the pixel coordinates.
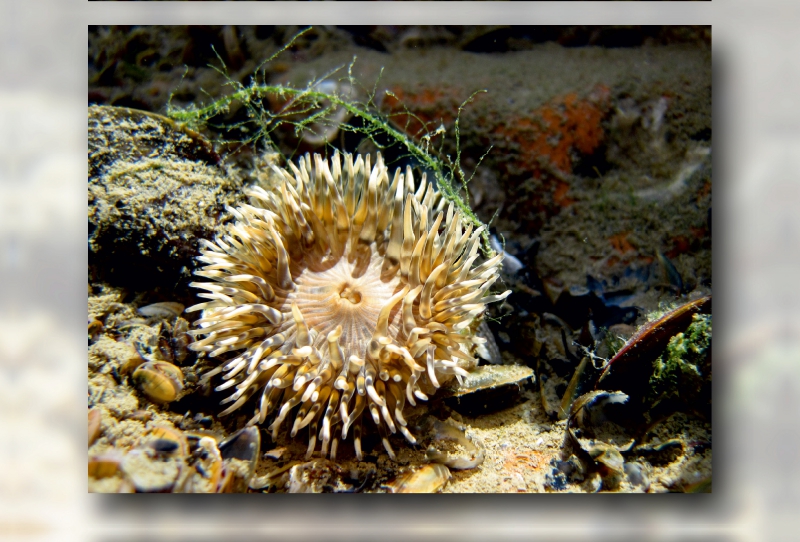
(420, 112)
(620, 242)
(542, 144)
(557, 130)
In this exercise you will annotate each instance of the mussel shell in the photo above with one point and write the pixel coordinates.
(487, 388)
(159, 380)
(313, 476)
(633, 363)
(631, 369)
(164, 309)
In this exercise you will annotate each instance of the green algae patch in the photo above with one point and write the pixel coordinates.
(682, 374)
(324, 106)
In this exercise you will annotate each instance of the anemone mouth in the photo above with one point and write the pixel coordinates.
(337, 297)
(346, 295)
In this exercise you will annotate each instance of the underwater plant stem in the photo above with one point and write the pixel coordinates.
(195, 116)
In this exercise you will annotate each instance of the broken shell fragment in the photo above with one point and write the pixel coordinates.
(94, 328)
(208, 474)
(570, 470)
(589, 413)
(165, 441)
(579, 384)
(165, 309)
(638, 475)
(106, 475)
(487, 348)
(313, 477)
(607, 441)
(151, 474)
(243, 444)
(427, 479)
(240, 453)
(180, 339)
(277, 453)
(447, 432)
(661, 453)
(276, 478)
(492, 377)
(608, 455)
(94, 424)
(588, 408)
(159, 380)
(103, 466)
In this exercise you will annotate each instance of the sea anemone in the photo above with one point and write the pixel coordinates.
(342, 293)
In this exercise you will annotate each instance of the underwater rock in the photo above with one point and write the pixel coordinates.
(155, 187)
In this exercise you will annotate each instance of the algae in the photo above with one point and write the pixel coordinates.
(682, 374)
(522, 441)
(307, 106)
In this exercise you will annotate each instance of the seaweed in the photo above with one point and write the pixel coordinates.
(305, 107)
(683, 372)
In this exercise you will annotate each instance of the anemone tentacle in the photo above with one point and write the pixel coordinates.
(346, 293)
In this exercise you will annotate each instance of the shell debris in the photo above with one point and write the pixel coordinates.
(429, 478)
